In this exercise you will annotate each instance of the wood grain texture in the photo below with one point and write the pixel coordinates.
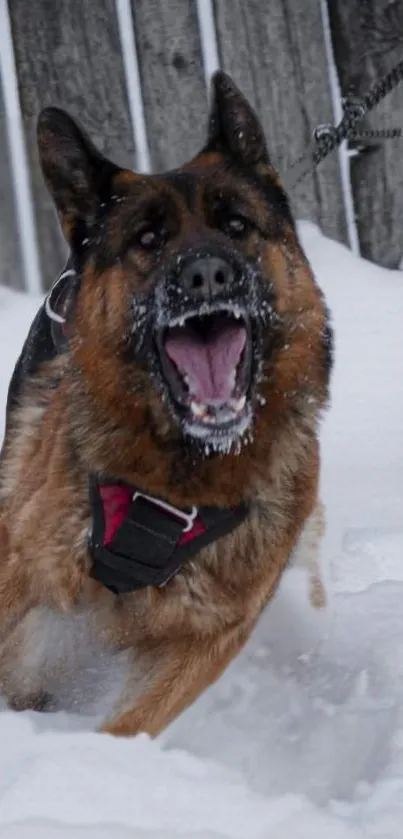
(377, 179)
(68, 54)
(172, 76)
(10, 259)
(274, 50)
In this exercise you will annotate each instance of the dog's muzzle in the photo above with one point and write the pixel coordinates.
(207, 337)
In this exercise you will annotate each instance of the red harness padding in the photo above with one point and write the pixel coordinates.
(116, 500)
(139, 540)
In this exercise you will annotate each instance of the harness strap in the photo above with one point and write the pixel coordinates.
(139, 540)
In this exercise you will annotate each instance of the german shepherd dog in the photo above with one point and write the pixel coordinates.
(161, 458)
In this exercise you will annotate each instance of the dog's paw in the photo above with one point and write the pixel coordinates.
(40, 701)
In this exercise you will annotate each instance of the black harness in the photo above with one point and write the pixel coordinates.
(139, 540)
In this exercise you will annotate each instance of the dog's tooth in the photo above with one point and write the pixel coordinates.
(240, 403)
(237, 312)
(198, 409)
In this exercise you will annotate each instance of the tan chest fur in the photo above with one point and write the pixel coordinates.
(228, 582)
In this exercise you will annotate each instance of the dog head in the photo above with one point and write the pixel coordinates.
(194, 295)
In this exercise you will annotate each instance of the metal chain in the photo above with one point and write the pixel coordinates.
(328, 137)
(374, 134)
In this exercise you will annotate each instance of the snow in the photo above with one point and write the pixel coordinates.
(302, 738)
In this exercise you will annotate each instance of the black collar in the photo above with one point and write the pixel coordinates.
(139, 540)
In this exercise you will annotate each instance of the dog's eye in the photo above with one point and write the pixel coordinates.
(151, 238)
(236, 226)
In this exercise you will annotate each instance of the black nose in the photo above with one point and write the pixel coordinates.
(206, 277)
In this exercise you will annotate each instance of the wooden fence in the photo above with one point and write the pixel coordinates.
(135, 73)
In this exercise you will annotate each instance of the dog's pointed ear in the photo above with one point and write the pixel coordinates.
(233, 125)
(76, 173)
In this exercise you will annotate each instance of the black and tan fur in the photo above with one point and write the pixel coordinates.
(94, 409)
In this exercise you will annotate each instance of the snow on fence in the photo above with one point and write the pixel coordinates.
(135, 73)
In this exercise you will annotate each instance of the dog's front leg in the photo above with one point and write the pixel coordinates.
(15, 591)
(25, 584)
(178, 675)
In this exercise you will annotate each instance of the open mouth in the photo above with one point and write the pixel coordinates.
(206, 362)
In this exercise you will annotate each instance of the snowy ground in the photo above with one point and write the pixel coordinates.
(303, 736)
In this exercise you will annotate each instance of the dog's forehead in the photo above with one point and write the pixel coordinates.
(209, 182)
(186, 185)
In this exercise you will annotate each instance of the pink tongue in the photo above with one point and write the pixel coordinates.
(210, 364)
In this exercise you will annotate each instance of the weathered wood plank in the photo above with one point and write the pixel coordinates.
(171, 69)
(68, 54)
(275, 51)
(10, 258)
(363, 57)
